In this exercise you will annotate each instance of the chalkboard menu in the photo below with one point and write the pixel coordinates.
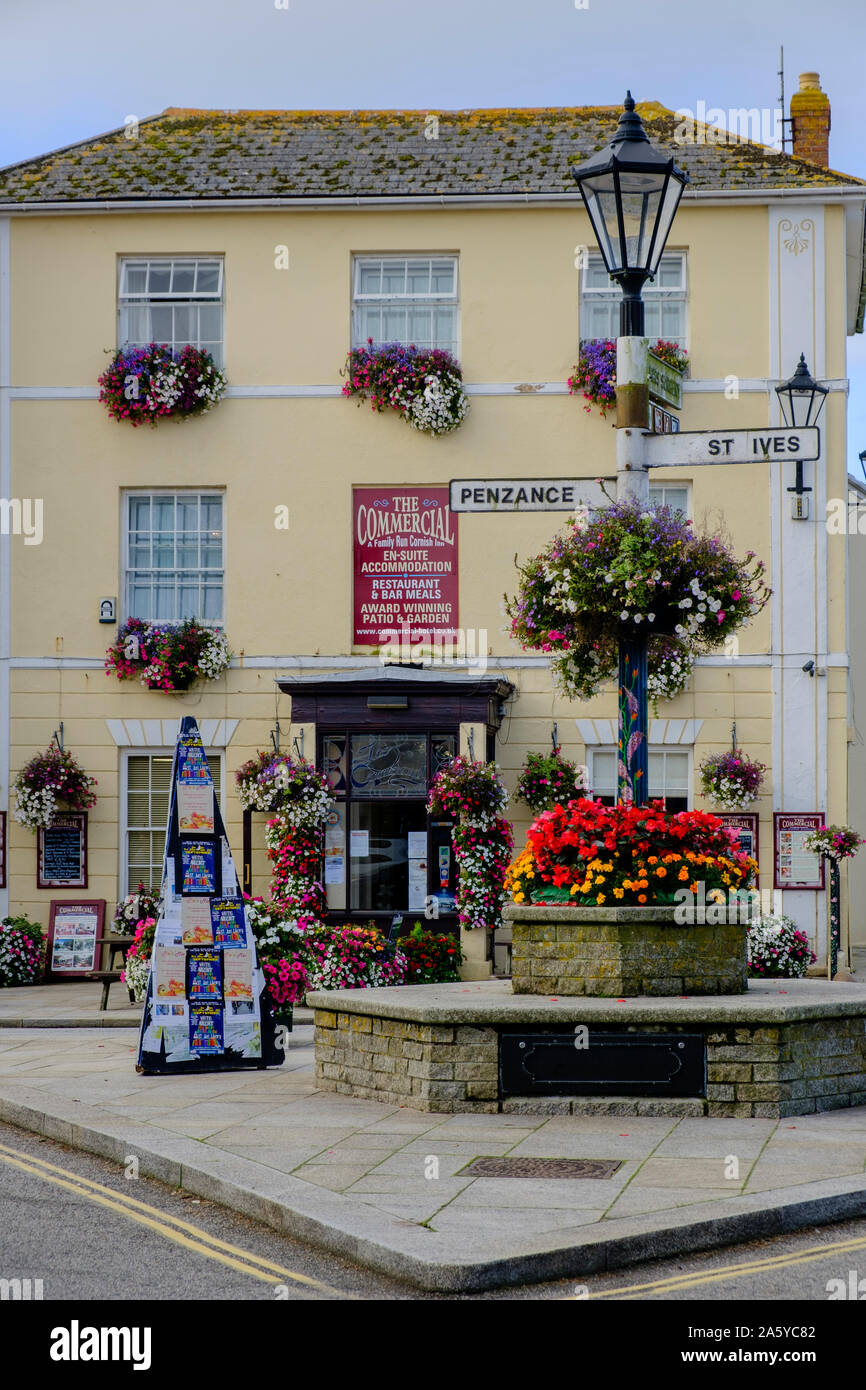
(61, 852)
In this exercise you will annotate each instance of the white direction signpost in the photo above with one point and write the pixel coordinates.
(704, 447)
(525, 494)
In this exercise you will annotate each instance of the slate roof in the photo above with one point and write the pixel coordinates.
(185, 154)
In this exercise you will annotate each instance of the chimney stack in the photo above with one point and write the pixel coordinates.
(810, 120)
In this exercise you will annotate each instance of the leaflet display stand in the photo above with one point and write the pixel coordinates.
(207, 1006)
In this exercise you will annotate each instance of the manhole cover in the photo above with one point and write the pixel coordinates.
(542, 1167)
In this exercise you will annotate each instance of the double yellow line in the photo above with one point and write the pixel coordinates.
(182, 1233)
(745, 1270)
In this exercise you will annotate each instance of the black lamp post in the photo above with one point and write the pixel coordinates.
(802, 400)
(631, 192)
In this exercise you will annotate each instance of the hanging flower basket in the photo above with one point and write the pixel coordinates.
(671, 662)
(424, 385)
(50, 780)
(623, 569)
(594, 376)
(547, 779)
(834, 842)
(473, 793)
(168, 656)
(731, 779)
(143, 385)
(279, 784)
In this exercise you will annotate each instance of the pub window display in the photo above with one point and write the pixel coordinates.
(383, 854)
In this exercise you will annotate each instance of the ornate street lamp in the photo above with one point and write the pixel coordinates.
(802, 400)
(631, 192)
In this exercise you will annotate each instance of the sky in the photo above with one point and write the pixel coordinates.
(73, 69)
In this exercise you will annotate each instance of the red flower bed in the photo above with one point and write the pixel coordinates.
(623, 855)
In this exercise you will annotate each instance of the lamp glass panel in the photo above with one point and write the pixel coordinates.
(666, 213)
(601, 205)
(641, 198)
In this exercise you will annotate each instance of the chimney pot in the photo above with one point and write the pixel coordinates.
(810, 120)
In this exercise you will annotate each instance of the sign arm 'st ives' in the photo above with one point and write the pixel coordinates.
(731, 446)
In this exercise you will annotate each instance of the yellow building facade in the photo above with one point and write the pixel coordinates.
(765, 261)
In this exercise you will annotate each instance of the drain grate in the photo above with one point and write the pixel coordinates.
(541, 1167)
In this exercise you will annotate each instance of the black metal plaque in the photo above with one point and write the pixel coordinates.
(599, 1063)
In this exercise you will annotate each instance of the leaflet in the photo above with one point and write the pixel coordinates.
(238, 975)
(243, 1035)
(195, 808)
(204, 974)
(169, 972)
(205, 1029)
(198, 867)
(196, 922)
(227, 918)
(191, 761)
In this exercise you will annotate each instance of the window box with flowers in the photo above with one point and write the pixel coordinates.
(423, 385)
(548, 778)
(611, 888)
(169, 657)
(145, 384)
(594, 376)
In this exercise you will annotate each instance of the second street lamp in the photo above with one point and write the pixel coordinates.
(801, 399)
(631, 192)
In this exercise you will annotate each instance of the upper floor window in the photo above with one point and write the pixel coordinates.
(405, 299)
(664, 301)
(174, 556)
(173, 300)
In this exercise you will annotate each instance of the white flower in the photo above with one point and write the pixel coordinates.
(651, 617)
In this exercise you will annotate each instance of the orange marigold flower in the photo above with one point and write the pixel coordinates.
(641, 897)
(661, 872)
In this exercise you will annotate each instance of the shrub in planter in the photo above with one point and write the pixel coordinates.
(548, 778)
(424, 385)
(143, 385)
(351, 958)
(617, 856)
(278, 936)
(287, 982)
(168, 656)
(51, 779)
(622, 569)
(778, 948)
(22, 952)
(432, 957)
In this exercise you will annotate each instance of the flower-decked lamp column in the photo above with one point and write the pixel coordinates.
(631, 192)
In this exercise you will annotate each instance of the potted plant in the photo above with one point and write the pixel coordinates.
(22, 952)
(146, 384)
(136, 967)
(548, 778)
(731, 780)
(50, 779)
(432, 957)
(168, 656)
(605, 903)
(777, 948)
(424, 385)
(287, 981)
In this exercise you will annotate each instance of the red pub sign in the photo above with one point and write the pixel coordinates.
(405, 565)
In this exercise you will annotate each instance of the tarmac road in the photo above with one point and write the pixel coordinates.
(91, 1233)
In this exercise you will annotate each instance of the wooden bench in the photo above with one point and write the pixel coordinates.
(110, 976)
